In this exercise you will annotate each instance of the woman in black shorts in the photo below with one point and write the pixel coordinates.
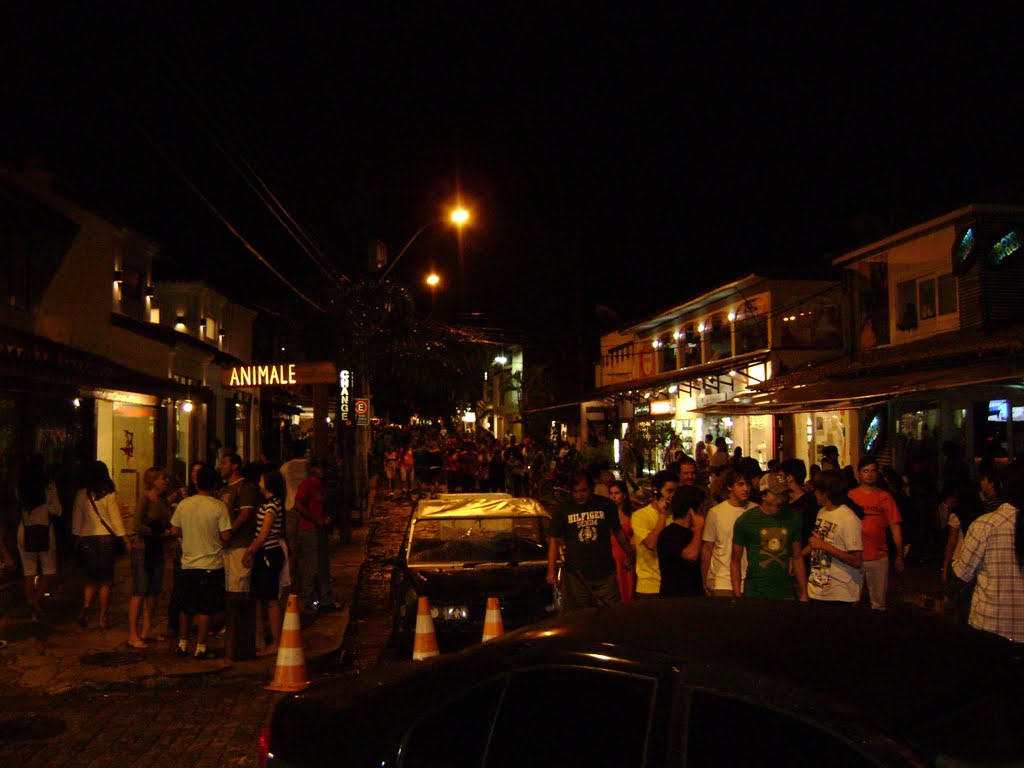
(266, 558)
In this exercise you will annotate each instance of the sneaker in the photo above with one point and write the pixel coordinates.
(204, 655)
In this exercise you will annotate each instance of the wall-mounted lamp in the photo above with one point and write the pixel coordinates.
(77, 403)
(501, 360)
(187, 406)
(732, 317)
(118, 276)
(150, 290)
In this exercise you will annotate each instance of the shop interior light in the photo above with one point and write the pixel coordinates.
(673, 389)
(187, 406)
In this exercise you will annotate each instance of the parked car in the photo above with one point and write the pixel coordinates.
(460, 549)
(678, 682)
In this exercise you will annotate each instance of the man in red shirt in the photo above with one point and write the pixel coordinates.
(314, 564)
(880, 513)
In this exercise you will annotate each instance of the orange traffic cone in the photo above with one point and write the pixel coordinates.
(290, 673)
(493, 625)
(425, 643)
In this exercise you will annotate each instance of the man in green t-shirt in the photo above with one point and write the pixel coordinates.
(770, 536)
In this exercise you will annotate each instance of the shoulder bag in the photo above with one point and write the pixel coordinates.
(37, 536)
(118, 540)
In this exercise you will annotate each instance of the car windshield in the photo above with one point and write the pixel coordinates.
(478, 540)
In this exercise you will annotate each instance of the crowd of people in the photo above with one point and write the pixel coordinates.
(425, 461)
(832, 537)
(237, 538)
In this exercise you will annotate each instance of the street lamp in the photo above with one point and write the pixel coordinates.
(433, 279)
(459, 217)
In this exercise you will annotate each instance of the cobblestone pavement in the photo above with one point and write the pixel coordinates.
(368, 633)
(192, 726)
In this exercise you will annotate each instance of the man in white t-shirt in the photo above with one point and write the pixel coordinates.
(835, 547)
(716, 552)
(204, 525)
(294, 472)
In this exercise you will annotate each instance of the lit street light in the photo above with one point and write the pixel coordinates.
(458, 217)
(433, 279)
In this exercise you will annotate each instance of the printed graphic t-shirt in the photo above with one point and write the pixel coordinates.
(768, 540)
(587, 530)
(880, 512)
(831, 578)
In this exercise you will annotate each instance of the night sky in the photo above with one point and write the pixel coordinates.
(611, 155)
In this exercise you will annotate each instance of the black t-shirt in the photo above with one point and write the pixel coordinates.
(679, 577)
(587, 530)
(807, 507)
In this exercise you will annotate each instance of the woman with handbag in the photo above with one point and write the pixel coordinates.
(96, 522)
(37, 544)
(151, 526)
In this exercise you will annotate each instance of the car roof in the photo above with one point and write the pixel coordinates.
(478, 505)
(894, 669)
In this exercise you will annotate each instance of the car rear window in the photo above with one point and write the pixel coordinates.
(478, 540)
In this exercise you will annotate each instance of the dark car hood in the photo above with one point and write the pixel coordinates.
(471, 585)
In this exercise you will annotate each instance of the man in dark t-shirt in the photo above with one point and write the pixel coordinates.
(679, 545)
(584, 527)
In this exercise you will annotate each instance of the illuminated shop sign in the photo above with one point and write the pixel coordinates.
(278, 374)
(344, 382)
(663, 408)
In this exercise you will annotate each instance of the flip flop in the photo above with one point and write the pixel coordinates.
(137, 646)
(154, 638)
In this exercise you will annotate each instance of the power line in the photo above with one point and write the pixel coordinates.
(291, 226)
(184, 177)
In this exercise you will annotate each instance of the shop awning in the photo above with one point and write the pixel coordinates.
(34, 361)
(839, 394)
(682, 376)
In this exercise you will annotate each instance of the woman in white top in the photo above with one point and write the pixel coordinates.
(37, 499)
(95, 521)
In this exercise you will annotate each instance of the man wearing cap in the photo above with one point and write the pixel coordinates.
(769, 536)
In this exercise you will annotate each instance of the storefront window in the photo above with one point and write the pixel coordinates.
(184, 450)
(991, 433)
(918, 444)
(242, 430)
(132, 436)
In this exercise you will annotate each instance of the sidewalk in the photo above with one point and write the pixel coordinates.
(57, 656)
